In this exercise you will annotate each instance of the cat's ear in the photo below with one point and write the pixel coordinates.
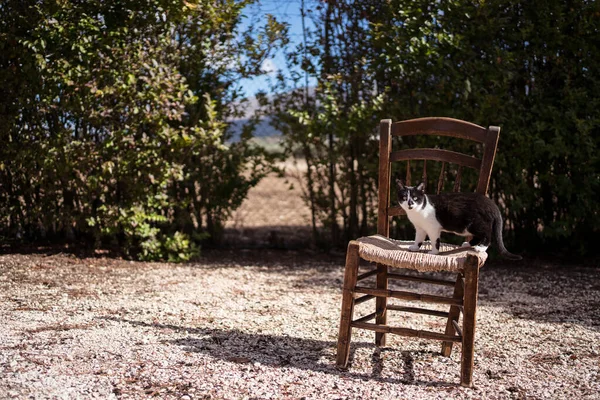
(400, 184)
(421, 186)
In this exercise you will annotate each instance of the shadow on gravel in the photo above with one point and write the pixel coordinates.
(49, 250)
(544, 293)
(533, 290)
(288, 352)
(284, 237)
(281, 260)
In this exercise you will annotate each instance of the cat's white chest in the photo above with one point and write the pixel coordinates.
(424, 218)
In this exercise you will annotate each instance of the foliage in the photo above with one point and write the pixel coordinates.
(529, 67)
(113, 114)
(113, 122)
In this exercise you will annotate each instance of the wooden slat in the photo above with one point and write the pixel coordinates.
(381, 302)
(364, 298)
(406, 332)
(367, 274)
(397, 294)
(385, 145)
(487, 161)
(440, 184)
(440, 126)
(457, 182)
(395, 211)
(471, 273)
(383, 219)
(408, 173)
(457, 327)
(416, 310)
(434, 281)
(453, 315)
(437, 155)
(345, 332)
(424, 175)
(365, 318)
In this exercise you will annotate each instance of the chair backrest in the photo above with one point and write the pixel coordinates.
(461, 130)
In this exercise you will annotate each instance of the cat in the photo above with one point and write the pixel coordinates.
(464, 214)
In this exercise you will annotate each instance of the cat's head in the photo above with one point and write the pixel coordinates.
(410, 197)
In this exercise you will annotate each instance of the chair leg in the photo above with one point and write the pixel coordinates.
(381, 304)
(350, 275)
(469, 318)
(454, 314)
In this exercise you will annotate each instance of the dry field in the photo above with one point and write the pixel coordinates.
(274, 214)
(262, 324)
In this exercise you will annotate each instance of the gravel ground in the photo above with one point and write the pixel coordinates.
(263, 324)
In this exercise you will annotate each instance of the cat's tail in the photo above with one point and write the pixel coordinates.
(498, 233)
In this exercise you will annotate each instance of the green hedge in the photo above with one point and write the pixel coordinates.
(531, 67)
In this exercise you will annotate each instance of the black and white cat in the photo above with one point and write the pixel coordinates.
(464, 214)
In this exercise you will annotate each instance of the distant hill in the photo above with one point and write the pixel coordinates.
(263, 129)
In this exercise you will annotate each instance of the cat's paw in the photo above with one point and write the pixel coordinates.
(434, 251)
(413, 247)
(479, 248)
(465, 244)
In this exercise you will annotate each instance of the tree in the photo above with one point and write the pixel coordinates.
(529, 67)
(332, 128)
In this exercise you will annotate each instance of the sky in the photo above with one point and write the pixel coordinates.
(285, 11)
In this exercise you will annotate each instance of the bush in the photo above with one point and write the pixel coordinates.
(110, 137)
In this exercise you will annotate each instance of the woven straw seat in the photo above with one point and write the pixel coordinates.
(395, 253)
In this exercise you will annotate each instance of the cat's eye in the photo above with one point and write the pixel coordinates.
(414, 198)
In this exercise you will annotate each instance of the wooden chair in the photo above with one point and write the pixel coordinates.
(386, 252)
